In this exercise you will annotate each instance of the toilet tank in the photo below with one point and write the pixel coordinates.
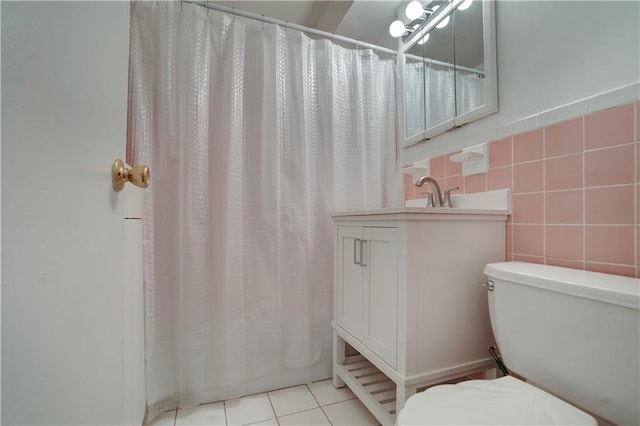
(573, 333)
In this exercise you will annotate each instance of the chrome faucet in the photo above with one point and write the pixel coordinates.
(436, 189)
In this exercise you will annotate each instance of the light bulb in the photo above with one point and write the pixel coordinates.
(396, 29)
(424, 39)
(443, 23)
(465, 5)
(414, 10)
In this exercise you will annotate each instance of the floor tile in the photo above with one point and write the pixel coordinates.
(349, 413)
(308, 418)
(325, 393)
(208, 414)
(165, 419)
(250, 409)
(270, 422)
(292, 400)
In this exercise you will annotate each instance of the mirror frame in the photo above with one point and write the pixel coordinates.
(490, 72)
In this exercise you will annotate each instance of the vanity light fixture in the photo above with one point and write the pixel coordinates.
(465, 5)
(397, 29)
(414, 10)
(418, 16)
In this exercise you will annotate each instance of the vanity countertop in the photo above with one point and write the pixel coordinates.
(413, 211)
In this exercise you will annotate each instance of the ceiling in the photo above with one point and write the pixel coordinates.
(364, 20)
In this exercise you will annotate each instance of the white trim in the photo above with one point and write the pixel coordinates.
(609, 99)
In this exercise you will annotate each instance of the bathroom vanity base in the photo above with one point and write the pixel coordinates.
(407, 298)
(381, 388)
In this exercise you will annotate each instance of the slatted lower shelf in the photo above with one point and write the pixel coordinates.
(376, 391)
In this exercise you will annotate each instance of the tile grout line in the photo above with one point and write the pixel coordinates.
(224, 408)
(273, 409)
(513, 229)
(544, 198)
(635, 192)
(320, 406)
(584, 195)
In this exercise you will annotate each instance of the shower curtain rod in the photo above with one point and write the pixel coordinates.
(287, 24)
(444, 64)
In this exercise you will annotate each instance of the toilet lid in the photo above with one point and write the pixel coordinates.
(503, 401)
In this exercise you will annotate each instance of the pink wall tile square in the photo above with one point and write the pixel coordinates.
(509, 257)
(563, 138)
(475, 183)
(565, 263)
(500, 153)
(528, 259)
(452, 182)
(564, 206)
(407, 178)
(437, 167)
(610, 166)
(441, 183)
(408, 192)
(528, 240)
(638, 121)
(528, 208)
(528, 146)
(509, 237)
(499, 178)
(610, 205)
(563, 172)
(627, 271)
(613, 126)
(638, 159)
(610, 244)
(564, 242)
(527, 177)
(452, 168)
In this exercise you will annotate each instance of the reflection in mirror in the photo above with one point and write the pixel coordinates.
(415, 95)
(469, 58)
(430, 80)
(458, 76)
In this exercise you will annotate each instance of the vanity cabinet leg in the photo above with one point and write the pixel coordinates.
(339, 350)
(401, 397)
(490, 373)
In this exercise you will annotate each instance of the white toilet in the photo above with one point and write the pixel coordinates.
(575, 334)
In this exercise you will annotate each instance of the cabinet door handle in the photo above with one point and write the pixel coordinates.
(355, 243)
(362, 243)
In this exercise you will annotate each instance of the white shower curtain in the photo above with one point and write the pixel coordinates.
(254, 134)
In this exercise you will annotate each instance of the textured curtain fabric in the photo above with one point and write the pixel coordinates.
(470, 91)
(254, 135)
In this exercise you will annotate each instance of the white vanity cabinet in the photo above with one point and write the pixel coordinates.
(367, 287)
(407, 298)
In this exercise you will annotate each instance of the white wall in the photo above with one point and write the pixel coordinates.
(550, 53)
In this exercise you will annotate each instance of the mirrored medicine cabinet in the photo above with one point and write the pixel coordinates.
(447, 68)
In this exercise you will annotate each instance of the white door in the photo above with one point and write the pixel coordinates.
(380, 324)
(349, 279)
(64, 94)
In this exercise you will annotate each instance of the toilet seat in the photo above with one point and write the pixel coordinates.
(503, 401)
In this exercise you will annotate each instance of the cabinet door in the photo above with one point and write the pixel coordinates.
(380, 303)
(349, 278)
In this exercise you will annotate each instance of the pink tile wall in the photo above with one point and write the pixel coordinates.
(576, 191)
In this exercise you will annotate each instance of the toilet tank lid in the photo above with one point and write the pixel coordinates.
(615, 289)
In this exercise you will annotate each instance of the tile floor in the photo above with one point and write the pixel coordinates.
(316, 404)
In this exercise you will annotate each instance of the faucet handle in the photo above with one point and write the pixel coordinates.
(447, 196)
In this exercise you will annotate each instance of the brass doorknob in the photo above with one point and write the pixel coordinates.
(138, 175)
